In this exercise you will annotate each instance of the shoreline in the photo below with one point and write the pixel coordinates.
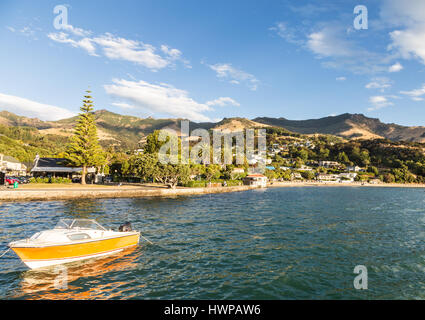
(88, 192)
(337, 184)
(52, 193)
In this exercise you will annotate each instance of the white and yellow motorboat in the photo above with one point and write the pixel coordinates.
(72, 240)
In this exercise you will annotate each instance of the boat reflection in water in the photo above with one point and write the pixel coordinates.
(80, 280)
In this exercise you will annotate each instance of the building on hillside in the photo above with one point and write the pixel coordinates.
(258, 180)
(57, 167)
(354, 169)
(11, 166)
(305, 168)
(329, 164)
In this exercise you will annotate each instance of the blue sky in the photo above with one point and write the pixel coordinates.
(205, 60)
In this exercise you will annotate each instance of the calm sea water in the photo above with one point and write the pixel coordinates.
(283, 243)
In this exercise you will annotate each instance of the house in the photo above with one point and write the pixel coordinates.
(329, 164)
(347, 176)
(296, 176)
(375, 181)
(285, 168)
(354, 169)
(305, 168)
(327, 177)
(11, 166)
(238, 171)
(56, 167)
(258, 180)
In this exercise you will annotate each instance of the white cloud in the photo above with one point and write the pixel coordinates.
(76, 31)
(85, 43)
(341, 78)
(158, 98)
(223, 101)
(123, 105)
(379, 102)
(415, 95)
(396, 67)
(408, 41)
(329, 42)
(235, 76)
(287, 33)
(31, 108)
(380, 83)
(117, 48)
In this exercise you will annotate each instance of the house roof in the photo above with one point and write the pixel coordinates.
(56, 165)
(255, 176)
(10, 159)
(52, 162)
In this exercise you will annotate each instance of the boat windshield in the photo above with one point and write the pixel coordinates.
(78, 224)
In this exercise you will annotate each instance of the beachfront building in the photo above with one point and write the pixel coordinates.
(57, 167)
(296, 176)
(258, 180)
(11, 166)
(347, 176)
(327, 177)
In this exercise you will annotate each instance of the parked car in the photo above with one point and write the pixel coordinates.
(76, 180)
(10, 180)
(22, 180)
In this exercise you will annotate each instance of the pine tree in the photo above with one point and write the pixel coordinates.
(83, 149)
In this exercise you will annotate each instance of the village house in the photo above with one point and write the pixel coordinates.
(329, 164)
(327, 177)
(375, 181)
(57, 167)
(258, 180)
(305, 168)
(354, 169)
(347, 176)
(11, 166)
(296, 176)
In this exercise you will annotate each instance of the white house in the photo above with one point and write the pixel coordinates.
(353, 169)
(12, 166)
(258, 180)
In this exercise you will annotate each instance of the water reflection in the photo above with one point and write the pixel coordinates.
(83, 208)
(40, 284)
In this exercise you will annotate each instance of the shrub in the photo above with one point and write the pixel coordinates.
(52, 180)
(195, 184)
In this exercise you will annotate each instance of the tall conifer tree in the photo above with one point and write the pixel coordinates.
(83, 149)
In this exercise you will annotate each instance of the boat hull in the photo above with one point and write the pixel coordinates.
(39, 257)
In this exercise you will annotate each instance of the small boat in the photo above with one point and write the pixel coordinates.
(72, 240)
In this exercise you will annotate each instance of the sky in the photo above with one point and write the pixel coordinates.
(206, 60)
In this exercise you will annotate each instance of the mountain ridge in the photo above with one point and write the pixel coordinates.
(127, 131)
